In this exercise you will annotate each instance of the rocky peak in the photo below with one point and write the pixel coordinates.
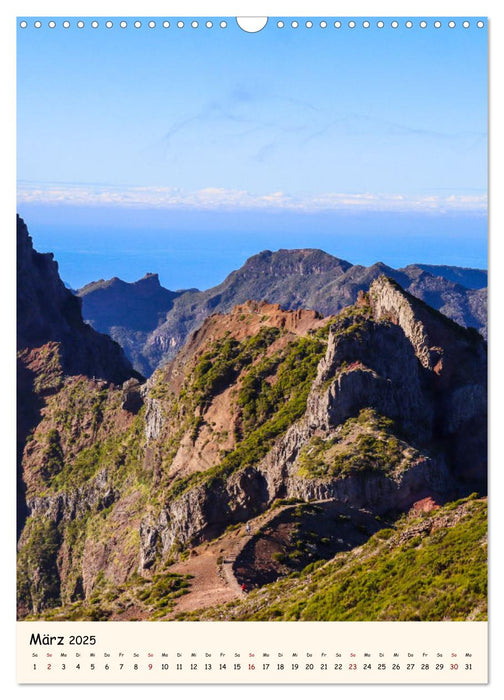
(390, 302)
(243, 321)
(149, 281)
(302, 261)
(440, 344)
(152, 323)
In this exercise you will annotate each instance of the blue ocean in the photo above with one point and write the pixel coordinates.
(199, 249)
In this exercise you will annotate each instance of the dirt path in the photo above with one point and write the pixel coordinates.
(209, 586)
(211, 565)
(228, 563)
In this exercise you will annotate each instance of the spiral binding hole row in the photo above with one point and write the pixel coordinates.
(209, 24)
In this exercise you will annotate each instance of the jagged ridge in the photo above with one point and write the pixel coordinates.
(306, 278)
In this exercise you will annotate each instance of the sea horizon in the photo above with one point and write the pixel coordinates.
(198, 249)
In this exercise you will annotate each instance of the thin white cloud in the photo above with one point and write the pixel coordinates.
(218, 198)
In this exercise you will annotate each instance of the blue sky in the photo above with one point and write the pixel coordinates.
(289, 121)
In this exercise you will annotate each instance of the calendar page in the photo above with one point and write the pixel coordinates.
(251, 349)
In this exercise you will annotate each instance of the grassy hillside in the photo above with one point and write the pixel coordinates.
(428, 567)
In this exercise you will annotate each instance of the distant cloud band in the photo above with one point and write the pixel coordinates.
(215, 198)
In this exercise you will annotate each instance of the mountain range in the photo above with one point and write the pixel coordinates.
(334, 466)
(152, 323)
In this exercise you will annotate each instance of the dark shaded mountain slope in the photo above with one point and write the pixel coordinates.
(128, 312)
(47, 312)
(53, 341)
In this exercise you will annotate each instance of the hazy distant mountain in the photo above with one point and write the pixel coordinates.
(152, 323)
(136, 306)
(128, 312)
(466, 276)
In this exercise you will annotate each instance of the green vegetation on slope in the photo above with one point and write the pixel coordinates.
(119, 453)
(285, 401)
(41, 540)
(52, 460)
(437, 577)
(139, 598)
(365, 443)
(431, 567)
(222, 363)
(293, 369)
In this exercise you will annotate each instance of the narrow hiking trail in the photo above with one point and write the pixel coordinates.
(211, 565)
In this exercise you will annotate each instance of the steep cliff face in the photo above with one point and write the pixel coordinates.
(48, 312)
(365, 413)
(456, 362)
(53, 343)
